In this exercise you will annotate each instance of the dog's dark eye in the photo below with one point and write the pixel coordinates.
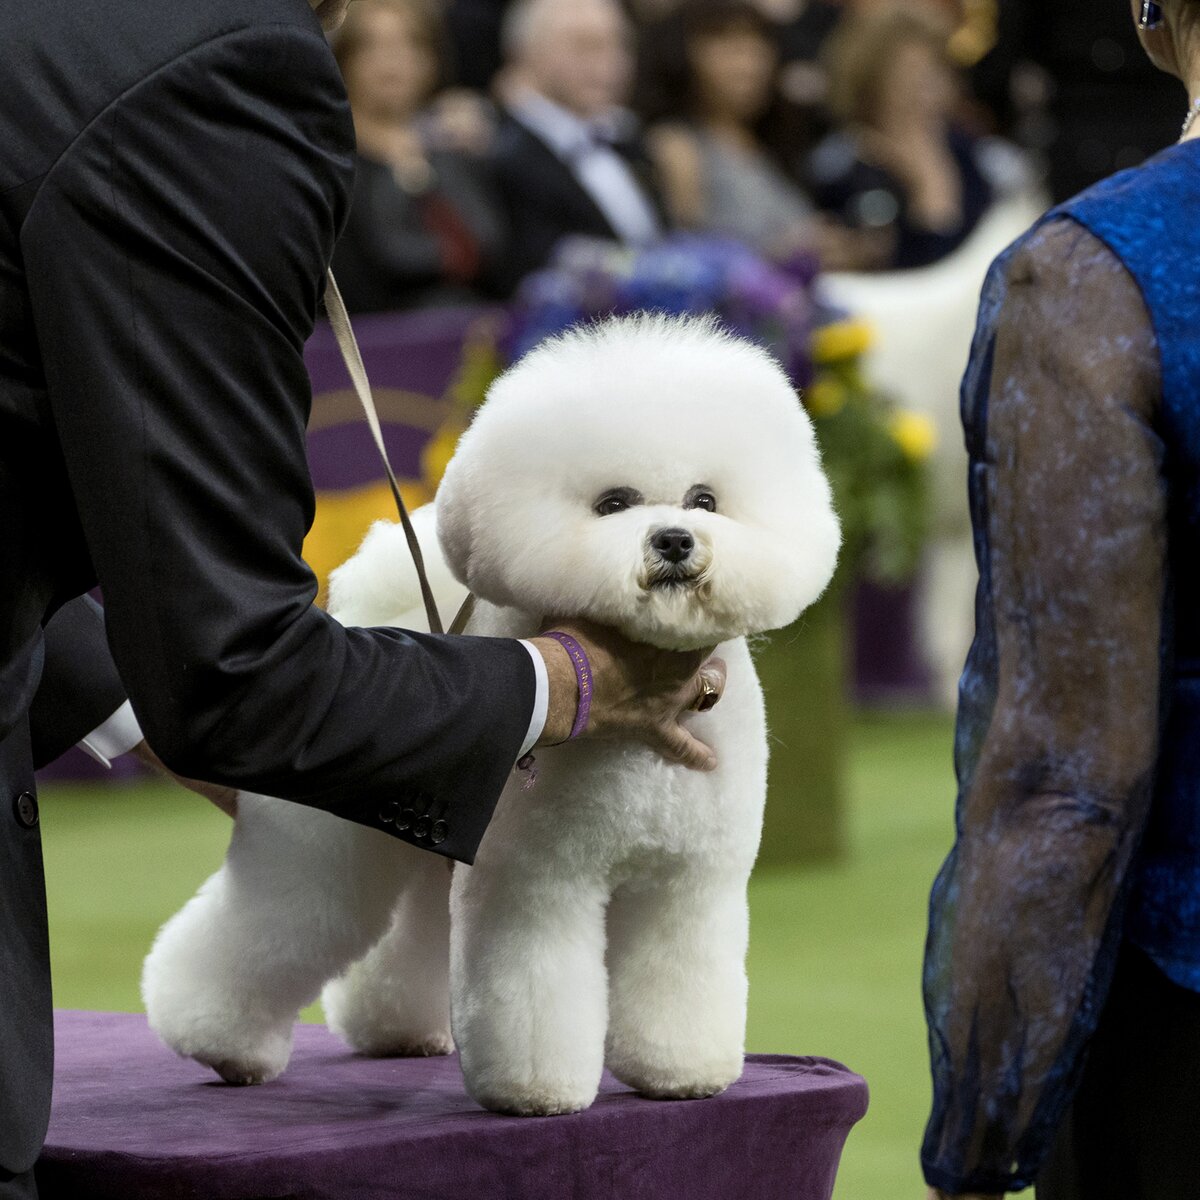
(615, 501)
(700, 497)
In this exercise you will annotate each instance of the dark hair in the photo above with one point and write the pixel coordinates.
(352, 36)
(666, 83)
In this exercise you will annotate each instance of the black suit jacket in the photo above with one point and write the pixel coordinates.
(544, 201)
(79, 688)
(172, 179)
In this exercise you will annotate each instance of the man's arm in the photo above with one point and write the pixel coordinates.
(80, 690)
(175, 259)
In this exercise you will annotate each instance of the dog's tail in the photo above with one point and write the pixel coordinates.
(378, 585)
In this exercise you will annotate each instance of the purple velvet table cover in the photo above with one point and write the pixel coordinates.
(133, 1122)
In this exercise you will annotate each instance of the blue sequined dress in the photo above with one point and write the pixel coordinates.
(1078, 741)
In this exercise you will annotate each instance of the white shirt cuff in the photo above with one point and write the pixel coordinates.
(541, 699)
(121, 732)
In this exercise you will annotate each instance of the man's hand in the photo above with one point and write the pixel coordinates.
(638, 691)
(223, 797)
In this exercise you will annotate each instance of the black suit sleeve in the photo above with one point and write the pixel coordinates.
(80, 688)
(175, 258)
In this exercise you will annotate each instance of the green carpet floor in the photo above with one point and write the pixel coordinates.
(835, 951)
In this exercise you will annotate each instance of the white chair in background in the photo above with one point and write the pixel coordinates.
(924, 321)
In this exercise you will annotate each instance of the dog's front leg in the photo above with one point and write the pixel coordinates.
(528, 987)
(677, 983)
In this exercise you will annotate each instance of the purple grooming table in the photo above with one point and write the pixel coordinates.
(133, 1122)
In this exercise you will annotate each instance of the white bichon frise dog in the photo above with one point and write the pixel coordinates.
(653, 474)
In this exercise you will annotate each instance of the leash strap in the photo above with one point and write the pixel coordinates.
(339, 320)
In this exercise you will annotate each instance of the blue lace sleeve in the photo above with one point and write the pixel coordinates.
(1058, 719)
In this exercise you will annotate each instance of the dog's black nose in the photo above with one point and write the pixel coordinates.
(672, 545)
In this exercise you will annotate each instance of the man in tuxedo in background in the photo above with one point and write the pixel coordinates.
(172, 180)
(568, 158)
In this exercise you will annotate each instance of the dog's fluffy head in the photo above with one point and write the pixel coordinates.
(654, 474)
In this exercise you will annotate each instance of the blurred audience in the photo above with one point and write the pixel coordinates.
(424, 226)
(802, 127)
(474, 29)
(1107, 106)
(899, 164)
(723, 136)
(568, 158)
(804, 27)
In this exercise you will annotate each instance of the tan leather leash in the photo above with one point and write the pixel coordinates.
(339, 320)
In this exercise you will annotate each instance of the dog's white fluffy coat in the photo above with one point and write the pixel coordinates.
(604, 920)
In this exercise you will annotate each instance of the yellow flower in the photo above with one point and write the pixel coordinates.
(826, 397)
(914, 433)
(840, 340)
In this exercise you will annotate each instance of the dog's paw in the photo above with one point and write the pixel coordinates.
(240, 1073)
(693, 1081)
(238, 1054)
(682, 1089)
(240, 1063)
(385, 1043)
(533, 1098)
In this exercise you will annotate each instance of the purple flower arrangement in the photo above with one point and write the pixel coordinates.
(767, 302)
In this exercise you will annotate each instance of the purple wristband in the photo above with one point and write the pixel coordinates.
(583, 675)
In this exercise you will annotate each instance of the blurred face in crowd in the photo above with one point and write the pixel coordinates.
(916, 87)
(734, 71)
(578, 54)
(393, 67)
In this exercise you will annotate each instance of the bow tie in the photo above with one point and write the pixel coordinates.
(599, 137)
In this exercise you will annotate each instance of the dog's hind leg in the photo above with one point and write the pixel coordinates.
(677, 984)
(396, 1000)
(528, 989)
(300, 895)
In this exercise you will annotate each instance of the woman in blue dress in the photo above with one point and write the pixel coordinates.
(1062, 971)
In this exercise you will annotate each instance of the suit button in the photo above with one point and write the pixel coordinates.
(421, 827)
(438, 833)
(25, 809)
(405, 820)
(387, 814)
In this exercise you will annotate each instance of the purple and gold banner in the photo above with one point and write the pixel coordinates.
(426, 370)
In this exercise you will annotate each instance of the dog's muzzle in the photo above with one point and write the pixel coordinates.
(673, 546)
(671, 558)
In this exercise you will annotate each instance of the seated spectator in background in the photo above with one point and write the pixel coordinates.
(568, 158)
(474, 29)
(424, 226)
(804, 27)
(709, 79)
(899, 164)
